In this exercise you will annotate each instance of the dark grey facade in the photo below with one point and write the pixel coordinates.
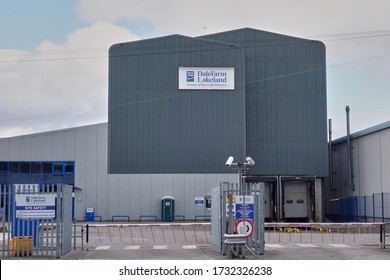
(276, 113)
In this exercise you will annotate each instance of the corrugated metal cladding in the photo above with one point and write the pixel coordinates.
(276, 114)
(286, 116)
(156, 128)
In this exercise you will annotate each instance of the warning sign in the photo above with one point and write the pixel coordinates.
(245, 227)
(35, 206)
(245, 207)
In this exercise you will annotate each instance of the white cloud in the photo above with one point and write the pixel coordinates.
(295, 17)
(72, 77)
(58, 86)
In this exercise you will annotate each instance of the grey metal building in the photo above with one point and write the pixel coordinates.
(180, 106)
(110, 195)
(364, 193)
(275, 112)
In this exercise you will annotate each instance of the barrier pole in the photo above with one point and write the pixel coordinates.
(382, 237)
(87, 236)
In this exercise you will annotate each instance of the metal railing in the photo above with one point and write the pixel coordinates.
(371, 208)
(96, 234)
(78, 234)
(355, 233)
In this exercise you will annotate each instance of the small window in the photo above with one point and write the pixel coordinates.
(69, 167)
(14, 167)
(57, 167)
(36, 167)
(300, 201)
(25, 167)
(47, 167)
(4, 167)
(289, 201)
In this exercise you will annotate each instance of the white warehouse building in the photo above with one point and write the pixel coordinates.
(363, 193)
(110, 195)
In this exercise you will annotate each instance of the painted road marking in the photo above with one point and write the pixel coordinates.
(340, 245)
(273, 245)
(306, 245)
(189, 247)
(160, 247)
(102, 248)
(132, 247)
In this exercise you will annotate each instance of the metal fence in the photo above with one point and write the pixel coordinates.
(237, 209)
(375, 208)
(331, 233)
(36, 220)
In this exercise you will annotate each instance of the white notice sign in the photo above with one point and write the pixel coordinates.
(206, 78)
(35, 206)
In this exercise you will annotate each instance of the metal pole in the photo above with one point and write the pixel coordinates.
(87, 235)
(383, 209)
(330, 157)
(74, 235)
(349, 153)
(240, 166)
(230, 222)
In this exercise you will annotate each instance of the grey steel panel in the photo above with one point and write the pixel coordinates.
(124, 195)
(69, 144)
(285, 102)
(136, 199)
(167, 185)
(66, 226)
(189, 189)
(156, 128)
(179, 193)
(102, 187)
(25, 148)
(112, 197)
(216, 224)
(157, 194)
(146, 195)
(58, 146)
(4, 148)
(13, 152)
(90, 161)
(48, 144)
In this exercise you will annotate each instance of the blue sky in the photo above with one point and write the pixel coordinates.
(25, 24)
(53, 54)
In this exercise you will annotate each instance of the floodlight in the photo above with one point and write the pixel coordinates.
(250, 161)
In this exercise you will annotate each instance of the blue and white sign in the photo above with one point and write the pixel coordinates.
(35, 206)
(245, 207)
(199, 200)
(206, 78)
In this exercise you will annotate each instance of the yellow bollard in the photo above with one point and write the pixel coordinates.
(20, 246)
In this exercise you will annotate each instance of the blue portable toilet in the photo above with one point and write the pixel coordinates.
(89, 215)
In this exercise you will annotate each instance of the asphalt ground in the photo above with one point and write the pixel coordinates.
(283, 251)
(199, 248)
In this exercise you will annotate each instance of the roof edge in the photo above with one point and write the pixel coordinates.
(363, 132)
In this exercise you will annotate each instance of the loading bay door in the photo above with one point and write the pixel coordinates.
(295, 199)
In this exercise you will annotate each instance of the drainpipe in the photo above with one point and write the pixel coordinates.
(349, 153)
(332, 187)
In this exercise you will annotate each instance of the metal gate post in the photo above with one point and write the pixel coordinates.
(58, 222)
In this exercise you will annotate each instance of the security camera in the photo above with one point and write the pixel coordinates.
(229, 161)
(250, 161)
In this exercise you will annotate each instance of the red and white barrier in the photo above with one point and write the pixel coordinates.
(175, 233)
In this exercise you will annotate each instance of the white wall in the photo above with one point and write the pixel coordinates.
(371, 166)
